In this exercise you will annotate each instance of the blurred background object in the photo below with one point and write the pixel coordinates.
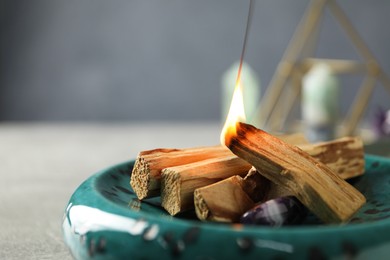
(381, 123)
(320, 103)
(157, 60)
(299, 58)
(250, 87)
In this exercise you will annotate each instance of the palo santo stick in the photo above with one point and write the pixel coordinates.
(182, 199)
(146, 175)
(210, 205)
(324, 193)
(145, 178)
(344, 156)
(178, 183)
(295, 138)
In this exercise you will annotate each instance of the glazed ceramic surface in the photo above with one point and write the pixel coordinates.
(105, 220)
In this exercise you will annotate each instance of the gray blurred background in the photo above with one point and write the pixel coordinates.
(156, 60)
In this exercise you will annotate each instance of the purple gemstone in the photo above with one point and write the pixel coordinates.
(381, 122)
(276, 212)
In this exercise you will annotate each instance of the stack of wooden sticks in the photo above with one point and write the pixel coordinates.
(221, 186)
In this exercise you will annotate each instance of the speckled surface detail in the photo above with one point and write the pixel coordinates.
(104, 219)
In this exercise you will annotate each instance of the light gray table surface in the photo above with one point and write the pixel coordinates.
(41, 164)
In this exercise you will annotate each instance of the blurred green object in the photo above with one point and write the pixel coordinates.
(320, 103)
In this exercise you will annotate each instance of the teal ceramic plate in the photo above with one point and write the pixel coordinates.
(104, 219)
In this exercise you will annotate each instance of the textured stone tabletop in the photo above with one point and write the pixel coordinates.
(42, 164)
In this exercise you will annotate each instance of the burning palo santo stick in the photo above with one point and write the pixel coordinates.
(345, 156)
(177, 190)
(323, 192)
(146, 175)
(339, 155)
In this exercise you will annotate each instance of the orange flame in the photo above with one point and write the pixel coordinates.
(236, 113)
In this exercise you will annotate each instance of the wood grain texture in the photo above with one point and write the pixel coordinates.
(146, 174)
(345, 156)
(319, 188)
(224, 201)
(178, 183)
